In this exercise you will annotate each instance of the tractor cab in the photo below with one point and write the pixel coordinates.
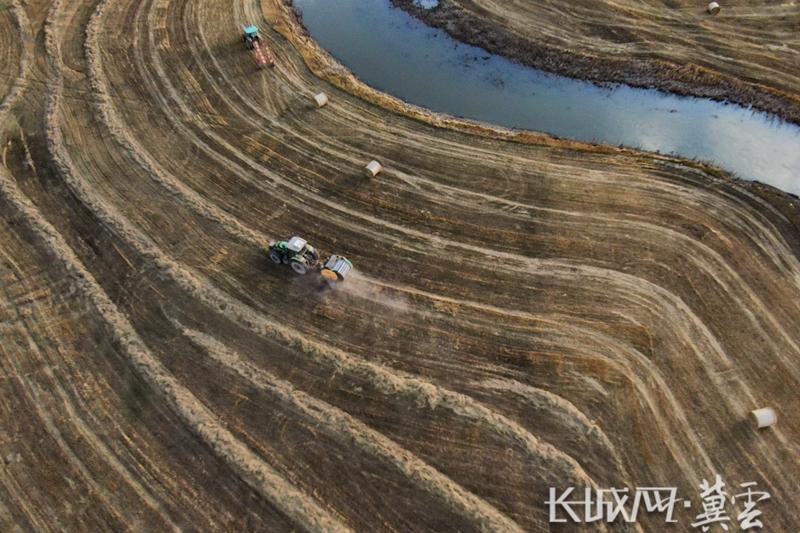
(250, 35)
(296, 244)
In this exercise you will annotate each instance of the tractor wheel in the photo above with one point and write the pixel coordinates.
(275, 256)
(299, 267)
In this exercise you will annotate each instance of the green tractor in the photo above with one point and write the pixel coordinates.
(302, 257)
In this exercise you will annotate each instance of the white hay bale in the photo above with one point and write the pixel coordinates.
(321, 99)
(713, 8)
(764, 417)
(373, 169)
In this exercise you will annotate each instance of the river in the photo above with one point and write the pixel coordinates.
(398, 54)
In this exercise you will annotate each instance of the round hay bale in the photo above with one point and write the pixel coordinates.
(321, 99)
(373, 169)
(764, 417)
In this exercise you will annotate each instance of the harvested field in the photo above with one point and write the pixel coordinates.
(749, 53)
(526, 312)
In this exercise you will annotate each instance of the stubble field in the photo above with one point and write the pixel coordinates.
(526, 312)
